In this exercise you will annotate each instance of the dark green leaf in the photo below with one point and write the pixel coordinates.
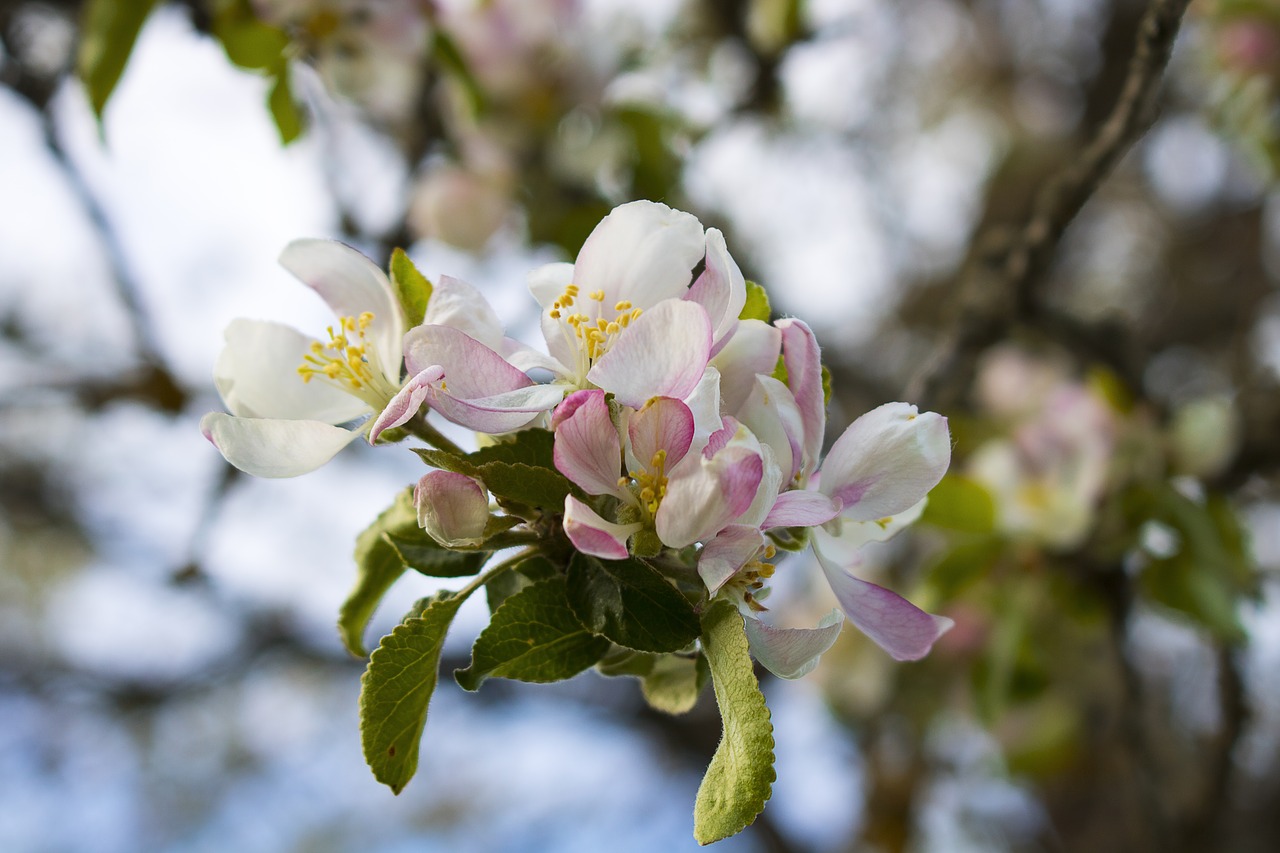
(631, 604)
(108, 31)
(959, 503)
(506, 584)
(621, 661)
(427, 556)
(378, 566)
(446, 53)
(396, 690)
(757, 304)
(533, 636)
(413, 288)
(740, 778)
(520, 471)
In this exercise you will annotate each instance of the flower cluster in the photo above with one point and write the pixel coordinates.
(685, 428)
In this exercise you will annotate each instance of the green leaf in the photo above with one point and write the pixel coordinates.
(622, 661)
(249, 42)
(966, 563)
(413, 288)
(428, 557)
(740, 778)
(284, 109)
(108, 31)
(396, 691)
(757, 304)
(631, 604)
(826, 386)
(450, 58)
(520, 471)
(959, 503)
(506, 584)
(533, 636)
(674, 682)
(378, 567)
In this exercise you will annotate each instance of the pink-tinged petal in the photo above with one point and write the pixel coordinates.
(767, 493)
(457, 304)
(730, 550)
(752, 350)
(257, 376)
(896, 625)
(525, 358)
(792, 652)
(406, 403)
(720, 289)
(266, 447)
(471, 369)
(803, 361)
(351, 284)
(592, 535)
(703, 496)
(841, 539)
(452, 508)
(500, 413)
(661, 354)
(643, 252)
(801, 508)
(772, 416)
(886, 461)
(663, 424)
(587, 448)
(720, 439)
(704, 403)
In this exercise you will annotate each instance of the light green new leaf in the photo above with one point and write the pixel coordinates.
(283, 107)
(396, 691)
(533, 636)
(740, 778)
(757, 304)
(108, 31)
(413, 288)
(631, 604)
(674, 682)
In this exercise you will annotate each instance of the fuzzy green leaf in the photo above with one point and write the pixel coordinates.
(378, 567)
(108, 31)
(413, 288)
(396, 691)
(674, 682)
(739, 780)
(533, 636)
(757, 305)
(631, 604)
(959, 503)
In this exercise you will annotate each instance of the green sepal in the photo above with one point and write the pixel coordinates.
(739, 780)
(674, 682)
(959, 503)
(790, 538)
(630, 603)
(757, 305)
(412, 287)
(108, 30)
(645, 543)
(535, 637)
(396, 689)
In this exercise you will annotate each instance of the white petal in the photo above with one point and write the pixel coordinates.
(792, 652)
(720, 289)
(772, 415)
(643, 252)
(886, 461)
(662, 354)
(275, 448)
(452, 508)
(841, 539)
(352, 284)
(730, 550)
(753, 349)
(548, 282)
(257, 376)
(457, 304)
(704, 402)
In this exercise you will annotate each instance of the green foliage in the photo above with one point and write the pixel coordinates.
(520, 471)
(108, 31)
(413, 288)
(447, 55)
(506, 584)
(674, 682)
(392, 543)
(739, 780)
(533, 636)
(631, 604)
(396, 691)
(255, 45)
(959, 503)
(965, 564)
(757, 305)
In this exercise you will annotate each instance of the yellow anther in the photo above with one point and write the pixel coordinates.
(571, 289)
(555, 314)
(622, 306)
(635, 315)
(623, 481)
(624, 320)
(596, 296)
(602, 324)
(612, 329)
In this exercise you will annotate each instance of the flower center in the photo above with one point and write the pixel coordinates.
(589, 331)
(650, 484)
(349, 361)
(751, 577)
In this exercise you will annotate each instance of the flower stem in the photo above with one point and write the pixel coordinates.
(418, 426)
